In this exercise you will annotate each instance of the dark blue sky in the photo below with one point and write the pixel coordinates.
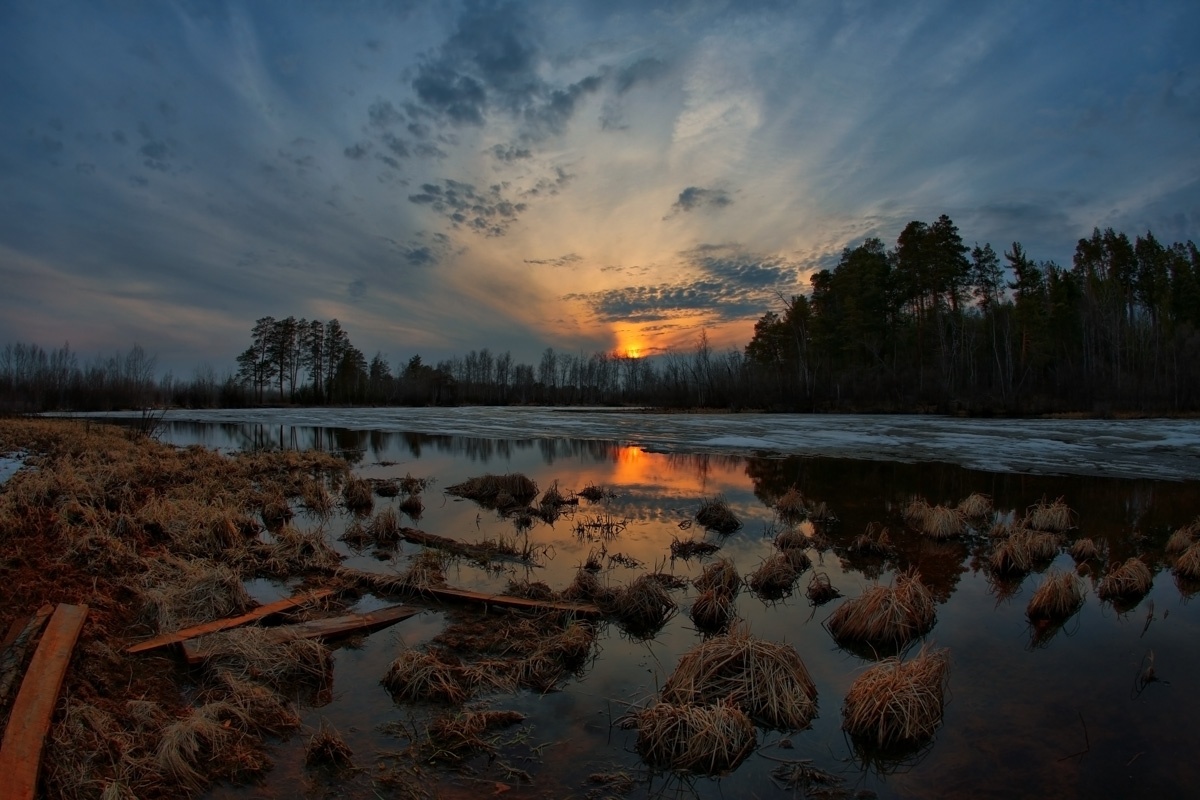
(444, 176)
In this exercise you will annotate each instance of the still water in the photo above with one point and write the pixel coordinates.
(1064, 717)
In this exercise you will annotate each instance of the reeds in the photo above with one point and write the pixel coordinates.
(975, 506)
(594, 493)
(874, 541)
(498, 492)
(1187, 566)
(413, 506)
(1059, 596)
(1022, 550)
(326, 748)
(941, 523)
(886, 616)
(707, 740)
(1132, 580)
(692, 548)
(642, 607)
(721, 575)
(898, 703)
(180, 592)
(258, 654)
(792, 539)
(384, 527)
(1055, 517)
(454, 737)
(532, 590)
(293, 551)
(715, 515)
(821, 590)
(195, 746)
(774, 578)
(790, 507)
(1181, 539)
(712, 611)
(418, 675)
(358, 496)
(1084, 549)
(766, 680)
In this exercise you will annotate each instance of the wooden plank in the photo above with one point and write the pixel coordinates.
(21, 636)
(229, 622)
(322, 628)
(21, 750)
(508, 601)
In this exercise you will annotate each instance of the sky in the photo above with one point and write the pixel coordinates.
(621, 176)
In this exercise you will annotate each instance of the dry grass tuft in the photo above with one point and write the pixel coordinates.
(326, 748)
(316, 497)
(914, 511)
(941, 523)
(792, 539)
(358, 496)
(594, 493)
(875, 541)
(413, 506)
(692, 548)
(1187, 566)
(886, 616)
(1181, 539)
(975, 506)
(532, 590)
(1059, 596)
(1054, 517)
(500, 492)
(191, 747)
(1130, 581)
(1022, 550)
(456, 737)
(707, 740)
(294, 552)
(715, 515)
(384, 528)
(1084, 550)
(721, 575)
(774, 578)
(790, 506)
(712, 611)
(897, 703)
(258, 654)
(586, 587)
(821, 590)
(418, 675)
(642, 607)
(179, 592)
(767, 680)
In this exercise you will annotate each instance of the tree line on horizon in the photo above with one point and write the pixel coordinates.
(926, 325)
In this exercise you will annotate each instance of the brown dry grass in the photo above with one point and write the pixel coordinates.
(455, 737)
(975, 506)
(257, 654)
(706, 740)
(358, 496)
(1055, 517)
(886, 616)
(418, 675)
(641, 608)
(715, 515)
(914, 511)
(897, 703)
(712, 611)
(874, 541)
(326, 748)
(941, 523)
(821, 590)
(721, 575)
(384, 527)
(767, 680)
(774, 578)
(791, 506)
(692, 548)
(1181, 540)
(1129, 581)
(1022, 550)
(1084, 550)
(1059, 596)
(1187, 566)
(500, 492)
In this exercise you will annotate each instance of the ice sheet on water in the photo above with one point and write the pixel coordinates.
(9, 466)
(1152, 448)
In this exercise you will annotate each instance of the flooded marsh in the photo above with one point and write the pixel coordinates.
(1083, 693)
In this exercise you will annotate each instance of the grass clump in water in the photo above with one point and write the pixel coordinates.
(1129, 582)
(1084, 549)
(358, 496)
(766, 680)
(498, 492)
(326, 748)
(1059, 596)
(706, 740)
(1055, 517)
(715, 515)
(775, 577)
(898, 703)
(886, 616)
(821, 590)
(975, 506)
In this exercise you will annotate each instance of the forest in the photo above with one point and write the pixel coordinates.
(928, 325)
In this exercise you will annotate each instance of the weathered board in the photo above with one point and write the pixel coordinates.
(323, 628)
(21, 749)
(229, 622)
(21, 636)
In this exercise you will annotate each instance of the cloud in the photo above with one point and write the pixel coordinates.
(731, 284)
(561, 261)
(510, 153)
(694, 197)
(485, 211)
(646, 70)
